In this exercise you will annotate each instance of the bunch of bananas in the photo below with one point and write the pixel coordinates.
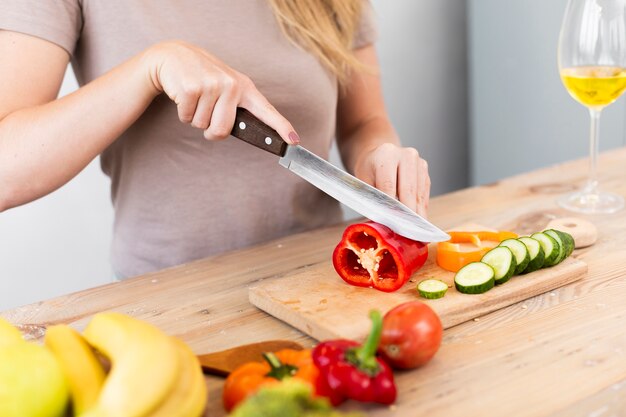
(151, 374)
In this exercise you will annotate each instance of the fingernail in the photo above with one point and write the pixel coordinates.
(294, 138)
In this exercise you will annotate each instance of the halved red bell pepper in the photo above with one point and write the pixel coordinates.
(372, 255)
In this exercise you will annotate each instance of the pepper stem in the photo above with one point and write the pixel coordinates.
(278, 369)
(364, 356)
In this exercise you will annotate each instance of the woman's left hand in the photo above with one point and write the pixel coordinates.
(370, 147)
(399, 172)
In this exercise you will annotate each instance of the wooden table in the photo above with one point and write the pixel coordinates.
(559, 354)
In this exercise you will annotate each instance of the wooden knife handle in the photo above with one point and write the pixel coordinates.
(226, 361)
(250, 129)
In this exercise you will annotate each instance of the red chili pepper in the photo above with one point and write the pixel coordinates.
(372, 255)
(353, 371)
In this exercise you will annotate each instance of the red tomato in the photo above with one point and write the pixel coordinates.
(411, 335)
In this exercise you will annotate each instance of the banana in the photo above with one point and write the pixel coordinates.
(189, 397)
(9, 335)
(145, 365)
(83, 371)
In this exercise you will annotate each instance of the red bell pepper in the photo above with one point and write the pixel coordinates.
(353, 371)
(372, 255)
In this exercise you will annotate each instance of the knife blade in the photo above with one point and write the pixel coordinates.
(345, 188)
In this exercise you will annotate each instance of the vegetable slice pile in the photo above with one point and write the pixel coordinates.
(513, 257)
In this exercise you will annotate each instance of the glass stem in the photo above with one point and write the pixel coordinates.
(592, 182)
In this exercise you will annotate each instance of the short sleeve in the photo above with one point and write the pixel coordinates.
(57, 21)
(367, 32)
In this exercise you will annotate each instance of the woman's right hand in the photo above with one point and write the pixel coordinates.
(54, 139)
(208, 92)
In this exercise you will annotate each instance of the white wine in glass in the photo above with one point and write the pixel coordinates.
(592, 64)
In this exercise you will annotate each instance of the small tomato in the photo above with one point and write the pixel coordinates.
(411, 335)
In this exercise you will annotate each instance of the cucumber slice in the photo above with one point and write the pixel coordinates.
(562, 249)
(568, 241)
(536, 253)
(475, 278)
(522, 258)
(551, 248)
(432, 288)
(502, 260)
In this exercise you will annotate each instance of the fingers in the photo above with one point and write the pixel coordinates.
(408, 178)
(423, 188)
(186, 104)
(414, 181)
(203, 111)
(216, 108)
(258, 105)
(223, 118)
(386, 169)
(207, 92)
(399, 172)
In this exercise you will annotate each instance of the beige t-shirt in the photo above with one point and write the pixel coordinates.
(178, 197)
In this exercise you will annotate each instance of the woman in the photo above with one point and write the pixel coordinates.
(146, 101)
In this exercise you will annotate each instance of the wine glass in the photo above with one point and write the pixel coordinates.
(592, 65)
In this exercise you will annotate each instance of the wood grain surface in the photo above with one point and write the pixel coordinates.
(562, 353)
(319, 303)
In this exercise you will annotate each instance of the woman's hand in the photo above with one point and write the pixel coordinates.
(397, 171)
(208, 92)
(369, 145)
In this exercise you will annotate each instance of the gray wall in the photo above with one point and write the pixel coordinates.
(60, 243)
(521, 116)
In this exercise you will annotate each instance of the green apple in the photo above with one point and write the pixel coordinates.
(32, 383)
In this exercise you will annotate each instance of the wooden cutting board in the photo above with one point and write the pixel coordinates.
(318, 302)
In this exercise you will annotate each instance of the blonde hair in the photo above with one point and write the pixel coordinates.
(325, 28)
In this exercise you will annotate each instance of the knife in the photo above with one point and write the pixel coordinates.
(226, 361)
(345, 188)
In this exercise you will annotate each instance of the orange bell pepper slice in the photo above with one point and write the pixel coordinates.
(467, 247)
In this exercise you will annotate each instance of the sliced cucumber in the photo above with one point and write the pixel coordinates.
(551, 248)
(475, 278)
(502, 260)
(432, 288)
(568, 241)
(562, 250)
(536, 253)
(522, 258)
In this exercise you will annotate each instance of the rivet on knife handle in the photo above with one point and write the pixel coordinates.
(250, 129)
